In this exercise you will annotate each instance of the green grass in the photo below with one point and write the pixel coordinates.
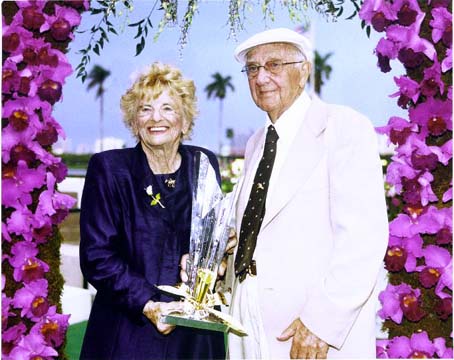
(74, 338)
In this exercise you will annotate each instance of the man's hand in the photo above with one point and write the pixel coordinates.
(154, 310)
(229, 249)
(305, 344)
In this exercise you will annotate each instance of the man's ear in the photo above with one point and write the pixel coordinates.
(305, 73)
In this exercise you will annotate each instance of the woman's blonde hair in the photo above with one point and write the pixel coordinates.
(158, 78)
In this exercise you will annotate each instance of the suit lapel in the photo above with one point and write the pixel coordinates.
(304, 155)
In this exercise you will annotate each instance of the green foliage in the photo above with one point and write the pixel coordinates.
(237, 13)
(76, 161)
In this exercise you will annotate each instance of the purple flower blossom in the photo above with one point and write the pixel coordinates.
(442, 351)
(61, 24)
(378, 13)
(411, 247)
(26, 266)
(32, 346)
(448, 194)
(382, 349)
(434, 116)
(52, 327)
(408, 90)
(10, 337)
(6, 305)
(441, 26)
(385, 51)
(32, 299)
(398, 130)
(432, 82)
(16, 186)
(446, 65)
(443, 308)
(438, 269)
(418, 346)
(398, 301)
(408, 37)
(407, 11)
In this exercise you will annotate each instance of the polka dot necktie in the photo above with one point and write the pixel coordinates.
(255, 208)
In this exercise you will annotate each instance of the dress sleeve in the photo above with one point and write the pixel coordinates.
(101, 259)
(360, 231)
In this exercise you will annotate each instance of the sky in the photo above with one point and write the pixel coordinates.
(355, 80)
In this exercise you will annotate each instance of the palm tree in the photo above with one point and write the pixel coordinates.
(218, 89)
(97, 76)
(321, 71)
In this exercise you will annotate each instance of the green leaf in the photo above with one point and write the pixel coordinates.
(96, 49)
(154, 202)
(137, 23)
(139, 32)
(94, 11)
(158, 196)
(368, 31)
(112, 30)
(140, 46)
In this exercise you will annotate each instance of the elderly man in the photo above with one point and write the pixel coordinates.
(311, 216)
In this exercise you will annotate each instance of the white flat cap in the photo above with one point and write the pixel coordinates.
(279, 35)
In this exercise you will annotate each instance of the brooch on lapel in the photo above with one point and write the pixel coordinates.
(155, 199)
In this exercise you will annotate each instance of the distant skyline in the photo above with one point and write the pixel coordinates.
(355, 80)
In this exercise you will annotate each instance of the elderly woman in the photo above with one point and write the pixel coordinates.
(135, 226)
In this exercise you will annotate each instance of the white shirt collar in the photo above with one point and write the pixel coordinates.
(289, 122)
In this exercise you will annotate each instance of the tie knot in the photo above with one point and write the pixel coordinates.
(271, 135)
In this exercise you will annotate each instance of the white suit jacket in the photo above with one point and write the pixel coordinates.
(322, 240)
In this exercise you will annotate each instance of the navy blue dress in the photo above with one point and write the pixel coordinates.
(127, 246)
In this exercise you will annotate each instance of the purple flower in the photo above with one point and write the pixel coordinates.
(446, 65)
(32, 299)
(378, 13)
(443, 308)
(444, 236)
(408, 38)
(6, 305)
(26, 266)
(438, 269)
(441, 26)
(407, 11)
(382, 349)
(398, 130)
(448, 194)
(408, 90)
(418, 346)
(32, 346)
(52, 203)
(398, 301)
(16, 187)
(11, 336)
(432, 82)
(385, 51)
(61, 24)
(52, 327)
(442, 351)
(434, 116)
(411, 247)
(395, 258)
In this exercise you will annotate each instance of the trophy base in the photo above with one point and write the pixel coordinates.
(209, 323)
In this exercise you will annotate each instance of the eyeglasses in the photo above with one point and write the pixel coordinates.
(166, 111)
(273, 67)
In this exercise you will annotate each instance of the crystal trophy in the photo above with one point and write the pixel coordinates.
(210, 219)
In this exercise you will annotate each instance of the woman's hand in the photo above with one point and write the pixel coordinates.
(229, 250)
(154, 310)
